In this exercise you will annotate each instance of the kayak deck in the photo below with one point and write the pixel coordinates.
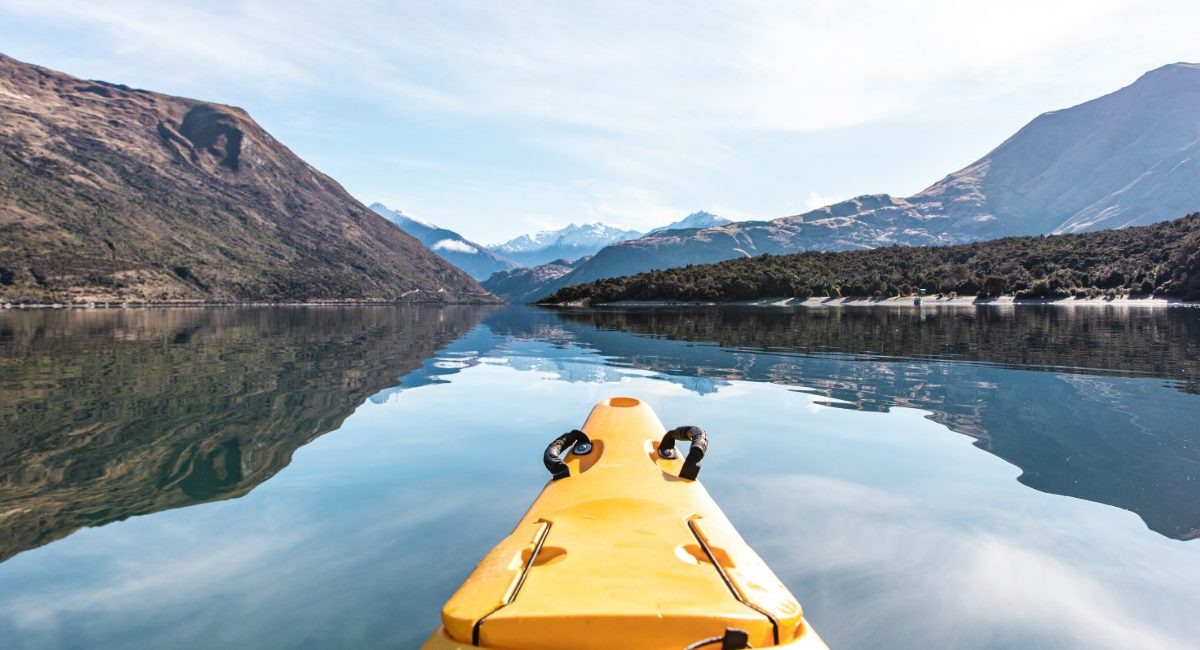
(621, 553)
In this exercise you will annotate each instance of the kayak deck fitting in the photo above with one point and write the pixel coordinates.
(623, 549)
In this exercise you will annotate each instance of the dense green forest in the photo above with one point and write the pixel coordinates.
(1160, 260)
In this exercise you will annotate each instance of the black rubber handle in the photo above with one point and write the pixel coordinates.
(699, 445)
(552, 458)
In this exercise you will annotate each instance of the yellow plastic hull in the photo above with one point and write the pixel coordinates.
(621, 552)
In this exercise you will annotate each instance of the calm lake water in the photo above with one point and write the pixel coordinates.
(326, 477)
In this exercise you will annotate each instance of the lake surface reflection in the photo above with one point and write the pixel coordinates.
(325, 477)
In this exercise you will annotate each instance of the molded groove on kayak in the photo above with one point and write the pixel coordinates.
(538, 541)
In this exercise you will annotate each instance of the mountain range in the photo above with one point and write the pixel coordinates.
(570, 243)
(575, 243)
(1131, 157)
(476, 260)
(110, 193)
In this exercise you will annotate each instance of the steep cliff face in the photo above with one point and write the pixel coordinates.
(113, 193)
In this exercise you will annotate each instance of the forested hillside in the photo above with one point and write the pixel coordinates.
(1161, 260)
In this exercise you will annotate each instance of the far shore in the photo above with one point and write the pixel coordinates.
(904, 301)
(816, 302)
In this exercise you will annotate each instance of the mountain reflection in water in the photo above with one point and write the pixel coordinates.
(110, 414)
(1089, 426)
(888, 526)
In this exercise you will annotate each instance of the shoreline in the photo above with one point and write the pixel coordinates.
(903, 302)
(246, 303)
(816, 302)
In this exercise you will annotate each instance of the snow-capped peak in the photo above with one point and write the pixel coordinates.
(573, 235)
(700, 219)
(393, 215)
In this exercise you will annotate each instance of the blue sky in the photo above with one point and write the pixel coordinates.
(499, 118)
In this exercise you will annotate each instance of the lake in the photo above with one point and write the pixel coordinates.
(325, 477)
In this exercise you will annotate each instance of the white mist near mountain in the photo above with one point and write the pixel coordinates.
(476, 260)
(457, 246)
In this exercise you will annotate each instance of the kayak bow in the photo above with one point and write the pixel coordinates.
(623, 549)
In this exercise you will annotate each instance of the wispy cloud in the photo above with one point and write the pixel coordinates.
(154, 577)
(678, 97)
(455, 246)
(623, 67)
(981, 584)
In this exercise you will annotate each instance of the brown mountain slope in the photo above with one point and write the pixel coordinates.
(113, 193)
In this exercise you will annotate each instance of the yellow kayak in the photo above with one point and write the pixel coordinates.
(623, 549)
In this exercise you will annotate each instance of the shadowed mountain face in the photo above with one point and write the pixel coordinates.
(106, 414)
(525, 284)
(112, 193)
(1129, 158)
(1072, 397)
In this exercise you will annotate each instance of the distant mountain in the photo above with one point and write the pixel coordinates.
(699, 219)
(1131, 157)
(524, 285)
(112, 193)
(527, 284)
(476, 260)
(571, 243)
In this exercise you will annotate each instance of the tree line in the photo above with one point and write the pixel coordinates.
(1159, 260)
